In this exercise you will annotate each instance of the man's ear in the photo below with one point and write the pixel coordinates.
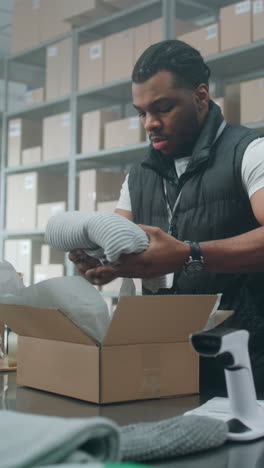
(201, 96)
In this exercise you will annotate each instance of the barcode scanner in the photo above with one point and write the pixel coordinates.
(231, 348)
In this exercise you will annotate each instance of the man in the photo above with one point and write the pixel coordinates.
(202, 186)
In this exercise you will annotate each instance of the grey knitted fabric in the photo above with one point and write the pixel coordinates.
(172, 437)
(29, 440)
(103, 235)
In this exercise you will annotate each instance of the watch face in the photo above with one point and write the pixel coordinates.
(193, 267)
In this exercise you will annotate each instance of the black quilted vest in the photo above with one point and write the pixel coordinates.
(213, 205)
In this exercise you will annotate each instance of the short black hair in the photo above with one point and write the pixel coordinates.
(175, 56)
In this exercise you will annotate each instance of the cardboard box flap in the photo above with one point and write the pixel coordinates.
(158, 319)
(46, 323)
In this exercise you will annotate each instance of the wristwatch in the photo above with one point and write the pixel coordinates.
(195, 262)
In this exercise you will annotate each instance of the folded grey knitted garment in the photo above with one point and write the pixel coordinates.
(172, 437)
(103, 235)
(31, 440)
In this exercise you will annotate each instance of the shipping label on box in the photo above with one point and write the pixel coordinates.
(258, 6)
(95, 51)
(242, 7)
(35, 4)
(211, 31)
(34, 96)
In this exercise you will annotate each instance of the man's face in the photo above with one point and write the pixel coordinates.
(172, 116)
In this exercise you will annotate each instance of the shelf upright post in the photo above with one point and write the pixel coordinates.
(3, 160)
(168, 9)
(74, 135)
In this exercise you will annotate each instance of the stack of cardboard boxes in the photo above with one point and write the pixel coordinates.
(96, 58)
(31, 141)
(243, 102)
(25, 195)
(51, 264)
(99, 188)
(240, 24)
(35, 261)
(23, 254)
(24, 142)
(36, 21)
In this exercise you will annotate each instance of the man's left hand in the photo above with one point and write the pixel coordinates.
(165, 254)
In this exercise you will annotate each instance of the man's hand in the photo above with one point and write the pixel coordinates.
(82, 261)
(165, 254)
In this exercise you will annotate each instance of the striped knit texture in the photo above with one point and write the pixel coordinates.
(172, 437)
(103, 235)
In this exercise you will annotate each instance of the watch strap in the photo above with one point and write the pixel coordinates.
(195, 252)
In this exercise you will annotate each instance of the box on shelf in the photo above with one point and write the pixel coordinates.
(31, 155)
(58, 69)
(124, 132)
(98, 186)
(44, 272)
(156, 30)
(22, 134)
(236, 25)
(91, 65)
(51, 23)
(36, 21)
(92, 138)
(46, 210)
(220, 101)
(233, 103)
(25, 191)
(142, 39)
(152, 32)
(206, 39)
(119, 55)
(252, 101)
(56, 137)
(26, 25)
(106, 206)
(136, 361)
(51, 256)
(258, 20)
(34, 96)
(81, 12)
(114, 286)
(181, 27)
(23, 254)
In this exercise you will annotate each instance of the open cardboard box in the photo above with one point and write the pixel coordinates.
(145, 354)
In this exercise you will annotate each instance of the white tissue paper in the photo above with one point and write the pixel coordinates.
(73, 295)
